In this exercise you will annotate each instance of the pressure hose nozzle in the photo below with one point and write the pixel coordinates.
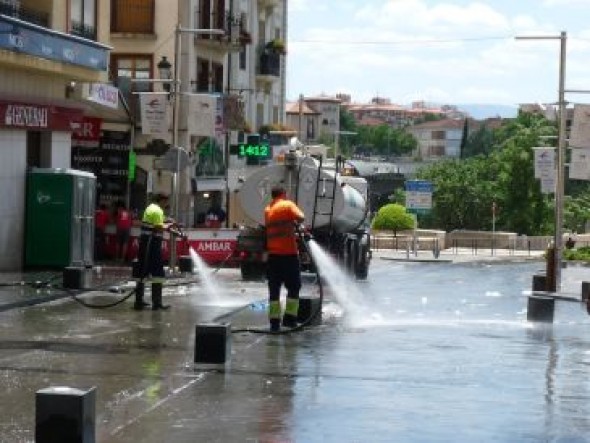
(302, 232)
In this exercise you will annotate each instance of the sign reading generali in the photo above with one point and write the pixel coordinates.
(38, 117)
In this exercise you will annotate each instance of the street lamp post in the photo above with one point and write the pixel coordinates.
(559, 181)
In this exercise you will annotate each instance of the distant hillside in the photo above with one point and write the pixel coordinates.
(480, 112)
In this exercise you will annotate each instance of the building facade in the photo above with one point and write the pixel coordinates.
(47, 47)
(230, 61)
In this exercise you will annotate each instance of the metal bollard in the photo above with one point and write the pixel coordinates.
(540, 309)
(75, 277)
(185, 264)
(539, 283)
(135, 269)
(585, 290)
(212, 342)
(64, 414)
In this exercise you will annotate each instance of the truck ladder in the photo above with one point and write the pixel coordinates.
(332, 197)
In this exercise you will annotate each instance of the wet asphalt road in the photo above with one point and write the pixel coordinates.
(424, 352)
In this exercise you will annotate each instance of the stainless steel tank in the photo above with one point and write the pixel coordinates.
(300, 179)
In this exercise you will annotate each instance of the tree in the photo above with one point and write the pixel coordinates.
(385, 140)
(464, 190)
(393, 217)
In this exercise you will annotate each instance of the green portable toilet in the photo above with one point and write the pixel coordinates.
(59, 228)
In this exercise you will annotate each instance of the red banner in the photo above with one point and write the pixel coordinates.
(87, 132)
(39, 117)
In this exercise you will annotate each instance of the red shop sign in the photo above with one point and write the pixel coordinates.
(87, 130)
(39, 117)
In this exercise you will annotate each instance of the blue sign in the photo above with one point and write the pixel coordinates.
(419, 186)
(23, 37)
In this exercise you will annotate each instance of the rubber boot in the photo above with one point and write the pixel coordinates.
(139, 291)
(157, 297)
(291, 310)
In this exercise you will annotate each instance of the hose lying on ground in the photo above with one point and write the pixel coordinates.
(304, 240)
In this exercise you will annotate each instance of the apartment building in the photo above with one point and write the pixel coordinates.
(229, 58)
(438, 139)
(46, 48)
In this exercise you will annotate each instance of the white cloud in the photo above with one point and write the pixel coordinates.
(560, 3)
(434, 50)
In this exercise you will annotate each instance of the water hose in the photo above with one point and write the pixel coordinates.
(304, 239)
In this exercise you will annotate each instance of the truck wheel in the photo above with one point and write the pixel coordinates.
(353, 250)
(361, 271)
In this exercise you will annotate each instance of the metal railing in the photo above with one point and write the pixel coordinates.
(474, 245)
(83, 30)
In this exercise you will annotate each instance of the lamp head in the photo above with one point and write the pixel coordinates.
(165, 71)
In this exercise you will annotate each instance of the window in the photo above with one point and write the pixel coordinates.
(209, 76)
(211, 16)
(438, 135)
(83, 18)
(124, 68)
(132, 16)
(243, 58)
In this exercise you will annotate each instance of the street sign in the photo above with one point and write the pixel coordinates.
(419, 196)
(175, 160)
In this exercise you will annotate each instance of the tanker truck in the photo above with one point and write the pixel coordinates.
(335, 208)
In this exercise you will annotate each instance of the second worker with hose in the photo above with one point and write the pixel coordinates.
(281, 217)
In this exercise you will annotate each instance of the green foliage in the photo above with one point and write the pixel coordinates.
(581, 254)
(464, 191)
(393, 217)
(478, 142)
(576, 212)
(385, 140)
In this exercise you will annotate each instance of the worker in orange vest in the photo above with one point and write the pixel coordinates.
(281, 217)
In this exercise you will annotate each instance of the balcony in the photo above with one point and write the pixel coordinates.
(84, 31)
(270, 65)
(11, 8)
(263, 4)
(25, 38)
(235, 38)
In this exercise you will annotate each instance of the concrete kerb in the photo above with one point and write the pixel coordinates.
(459, 256)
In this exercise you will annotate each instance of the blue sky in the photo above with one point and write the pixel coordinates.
(454, 51)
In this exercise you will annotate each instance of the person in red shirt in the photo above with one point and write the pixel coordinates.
(283, 267)
(124, 221)
(101, 219)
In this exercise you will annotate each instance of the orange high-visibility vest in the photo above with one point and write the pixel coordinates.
(280, 217)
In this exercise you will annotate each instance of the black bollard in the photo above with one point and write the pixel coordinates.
(76, 277)
(135, 269)
(64, 414)
(308, 307)
(540, 309)
(585, 290)
(212, 342)
(185, 264)
(539, 283)
(551, 283)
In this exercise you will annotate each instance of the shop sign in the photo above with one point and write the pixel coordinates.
(87, 132)
(102, 94)
(38, 117)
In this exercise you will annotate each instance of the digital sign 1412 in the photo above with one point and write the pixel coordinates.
(258, 151)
